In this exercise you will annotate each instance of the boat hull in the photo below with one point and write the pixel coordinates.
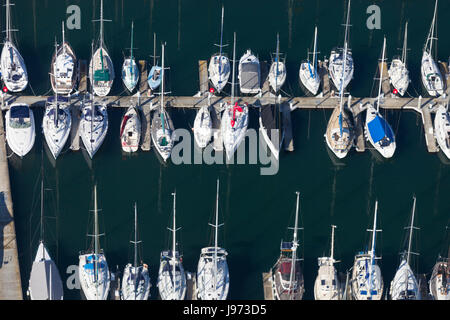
(159, 136)
(399, 76)
(309, 79)
(219, 71)
(56, 136)
(249, 74)
(95, 285)
(20, 131)
(233, 135)
(154, 77)
(202, 127)
(130, 130)
(339, 144)
(93, 134)
(63, 73)
(130, 74)
(386, 146)
(431, 76)
(335, 69)
(135, 283)
(207, 290)
(276, 82)
(101, 87)
(14, 70)
(442, 129)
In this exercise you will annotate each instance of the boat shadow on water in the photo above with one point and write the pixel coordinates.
(443, 158)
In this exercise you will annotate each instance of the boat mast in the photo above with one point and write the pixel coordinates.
(332, 243)
(216, 226)
(344, 62)
(154, 49)
(8, 21)
(93, 94)
(162, 90)
(96, 236)
(56, 85)
(220, 47)
(135, 236)
(372, 250)
(277, 58)
(234, 70)
(101, 25)
(131, 53)
(411, 227)
(381, 75)
(174, 243)
(42, 209)
(63, 38)
(405, 44)
(314, 51)
(294, 248)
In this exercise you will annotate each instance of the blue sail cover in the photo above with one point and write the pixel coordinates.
(379, 129)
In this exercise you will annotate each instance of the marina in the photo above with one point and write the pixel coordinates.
(254, 209)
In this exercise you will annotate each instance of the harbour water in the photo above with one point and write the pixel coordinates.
(256, 209)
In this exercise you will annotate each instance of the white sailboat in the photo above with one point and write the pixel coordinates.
(45, 282)
(405, 285)
(63, 73)
(431, 76)
(93, 269)
(442, 129)
(171, 276)
(57, 121)
(219, 65)
(398, 71)
(162, 126)
(340, 135)
(154, 76)
(277, 72)
(14, 70)
(213, 279)
(327, 285)
(367, 281)
(234, 119)
(130, 71)
(203, 127)
(20, 128)
(136, 280)
(93, 124)
(130, 130)
(309, 77)
(287, 275)
(341, 66)
(101, 68)
(440, 279)
(378, 131)
(249, 73)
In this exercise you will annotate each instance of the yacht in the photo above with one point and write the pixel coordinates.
(154, 76)
(203, 127)
(20, 128)
(13, 69)
(136, 280)
(440, 280)
(431, 76)
(442, 129)
(162, 126)
(101, 68)
(405, 285)
(234, 121)
(308, 75)
(63, 73)
(287, 275)
(93, 269)
(249, 73)
(93, 125)
(341, 66)
(130, 130)
(398, 71)
(171, 276)
(219, 65)
(213, 279)
(366, 281)
(378, 131)
(277, 72)
(130, 71)
(327, 286)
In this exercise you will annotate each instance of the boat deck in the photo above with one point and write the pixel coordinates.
(82, 76)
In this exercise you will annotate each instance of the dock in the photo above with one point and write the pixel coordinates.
(385, 83)
(325, 78)
(443, 67)
(360, 140)
(203, 77)
(10, 282)
(146, 118)
(143, 71)
(82, 76)
(268, 285)
(191, 286)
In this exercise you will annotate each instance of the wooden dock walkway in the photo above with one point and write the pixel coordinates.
(359, 125)
(203, 76)
(83, 74)
(146, 118)
(143, 71)
(191, 284)
(385, 84)
(10, 282)
(325, 78)
(267, 284)
(428, 129)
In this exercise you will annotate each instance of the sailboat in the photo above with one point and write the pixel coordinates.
(378, 131)
(136, 280)
(93, 269)
(14, 71)
(405, 285)
(398, 71)
(130, 71)
(20, 128)
(219, 65)
(101, 68)
(203, 126)
(367, 282)
(249, 73)
(57, 121)
(45, 282)
(234, 119)
(309, 77)
(277, 72)
(63, 75)
(171, 276)
(213, 279)
(162, 126)
(130, 130)
(287, 278)
(431, 76)
(341, 60)
(93, 124)
(440, 279)
(327, 286)
(442, 129)
(154, 76)
(339, 135)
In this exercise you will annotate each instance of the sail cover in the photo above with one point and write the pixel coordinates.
(250, 76)
(45, 283)
(380, 129)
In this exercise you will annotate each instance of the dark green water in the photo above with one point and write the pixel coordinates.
(256, 209)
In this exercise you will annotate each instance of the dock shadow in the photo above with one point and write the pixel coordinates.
(5, 219)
